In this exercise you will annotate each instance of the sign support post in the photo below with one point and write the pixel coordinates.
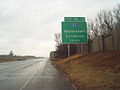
(81, 49)
(68, 50)
(74, 31)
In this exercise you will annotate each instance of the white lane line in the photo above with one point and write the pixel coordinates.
(28, 80)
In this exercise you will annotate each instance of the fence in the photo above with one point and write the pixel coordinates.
(108, 42)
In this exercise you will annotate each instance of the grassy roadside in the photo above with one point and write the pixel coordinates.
(1, 61)
(95, 71)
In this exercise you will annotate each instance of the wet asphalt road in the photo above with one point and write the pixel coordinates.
(36, 74)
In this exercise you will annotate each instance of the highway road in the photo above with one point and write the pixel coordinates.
(34, 74)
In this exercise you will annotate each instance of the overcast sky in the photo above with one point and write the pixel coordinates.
(28, 26)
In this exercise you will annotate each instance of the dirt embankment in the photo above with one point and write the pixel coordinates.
(94, 71)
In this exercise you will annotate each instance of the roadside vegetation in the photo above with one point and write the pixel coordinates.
(99, 68)
(1, 61)
(94, 71)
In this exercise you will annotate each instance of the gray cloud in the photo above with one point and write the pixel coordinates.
(28, 26)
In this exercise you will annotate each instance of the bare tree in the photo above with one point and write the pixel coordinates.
(106, 25)
(61, 49)
(102, 25)
(93, 28)
(116, 11)
(92, 31)
(105, 22)
(58, 39)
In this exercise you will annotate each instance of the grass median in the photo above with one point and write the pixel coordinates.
(2, 61)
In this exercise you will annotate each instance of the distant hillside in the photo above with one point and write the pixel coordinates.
(94, 71)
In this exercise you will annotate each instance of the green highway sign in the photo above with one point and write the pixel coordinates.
(72, 19)
(74, 32)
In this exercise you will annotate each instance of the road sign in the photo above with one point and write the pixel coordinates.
(72, 19)
(74, 32)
